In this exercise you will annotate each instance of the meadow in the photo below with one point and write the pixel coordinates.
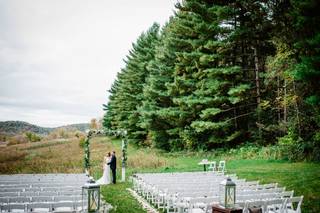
(67, 156)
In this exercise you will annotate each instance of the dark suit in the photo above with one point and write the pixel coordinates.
(113, 167)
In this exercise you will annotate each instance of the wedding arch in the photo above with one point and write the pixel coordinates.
(118, 133)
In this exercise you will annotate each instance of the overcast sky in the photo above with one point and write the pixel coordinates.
(58, 58)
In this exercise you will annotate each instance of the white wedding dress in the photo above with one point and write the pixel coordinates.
(105, 179)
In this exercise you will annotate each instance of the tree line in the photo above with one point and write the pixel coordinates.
(221, 73)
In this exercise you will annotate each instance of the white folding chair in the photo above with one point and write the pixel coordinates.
(212, 166)
(254, 204)
(42, 199)
(39, 207)
(66, 198)
(201, 205)
(3, 200)
(19, 199)
(63, 206)
(48, 194)
(221, 166)
(275, 206)
(9, 194)
(14, 207)
(78, 205)
(289, 204)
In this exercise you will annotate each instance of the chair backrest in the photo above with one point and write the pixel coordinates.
(39, 207)
(222, 165)
(203, 202)
(63, 206)
(286, 194)
(48, 193)
(212, 166)
(246, 197)
(272, 205)
(9, 194)
(3, 200)
(42, 199)
(254, 204)
(33, 189)
(289, 204)
(78, 205)
(19, 199)
(29, 194)
(270, 186)
(12, 207)
(65, 193)
(11, 189)
(67, 198)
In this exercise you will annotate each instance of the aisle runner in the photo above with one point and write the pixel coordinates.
(143, 202)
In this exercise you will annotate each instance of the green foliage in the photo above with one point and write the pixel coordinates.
(313, 100)
(220, 73)
(32, 137)
(127, 92)
(291, 147)
(82, 142)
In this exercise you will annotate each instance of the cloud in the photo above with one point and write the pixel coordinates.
(59, 58)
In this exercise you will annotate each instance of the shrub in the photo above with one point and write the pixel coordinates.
(3, 137)
(82, 142)
(32, 137)
(252, 151)
(17, 139)
(316, 147)
(291, 147)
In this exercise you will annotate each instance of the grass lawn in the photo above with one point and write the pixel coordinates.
(303, 178)
(67, 157)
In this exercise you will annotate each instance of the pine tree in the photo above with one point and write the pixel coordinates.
(126, 98)
(157, 100)
(206, 85)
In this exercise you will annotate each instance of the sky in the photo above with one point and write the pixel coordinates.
(58, 58)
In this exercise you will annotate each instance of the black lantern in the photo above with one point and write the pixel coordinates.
(227, 193)
(91, 197)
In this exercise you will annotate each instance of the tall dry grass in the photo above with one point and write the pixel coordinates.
(49, 157)
(142, 159)
(67, 157)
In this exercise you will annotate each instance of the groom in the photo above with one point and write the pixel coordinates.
(113, 166)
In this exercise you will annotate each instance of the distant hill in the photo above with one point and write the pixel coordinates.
(81, 127)
(16, 127)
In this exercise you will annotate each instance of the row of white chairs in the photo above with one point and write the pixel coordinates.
(172, 191)
(7, 200)
(39, 189)
(44, 182)
(39, 193)
(272, 205)
(43, 185)
(49, 175)
(221, 167)
(36, 181)
(280, 205)
(64, 206)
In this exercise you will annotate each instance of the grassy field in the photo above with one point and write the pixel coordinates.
(45, 157)
(303, 178)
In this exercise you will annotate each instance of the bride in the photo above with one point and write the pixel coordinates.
(105, 179)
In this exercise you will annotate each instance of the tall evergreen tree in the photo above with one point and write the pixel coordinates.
(157, 100)
(127, 93)
(221, 73)
(206, 85)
